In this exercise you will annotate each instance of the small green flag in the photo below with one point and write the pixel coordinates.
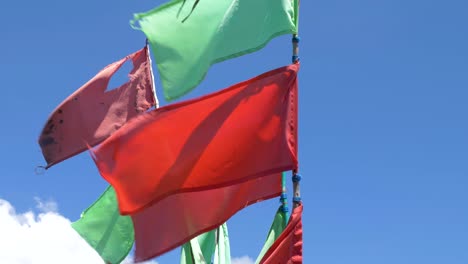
(202, 249)
(105, 230)
(277, 227)
(215, 31)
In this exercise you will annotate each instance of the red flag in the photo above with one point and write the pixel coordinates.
(180, 217)
(287, 248)
(246, 131)
(91, 114)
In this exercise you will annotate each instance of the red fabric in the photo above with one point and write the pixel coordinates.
(287, 249)
(240, 133)
(180, 217)
(91, 114)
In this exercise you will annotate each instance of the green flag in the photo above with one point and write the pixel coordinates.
(217, 30)
(277, 227)
(223, 249)
(200, 249)
(108, 232)
(203, 248)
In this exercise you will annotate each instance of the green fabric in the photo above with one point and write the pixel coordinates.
(204, 247)
(223, 249)
(105, 230)
(283, 182)
(277, 227)
(296, 15)
(217, 30)
(199, 249)
(283, 187)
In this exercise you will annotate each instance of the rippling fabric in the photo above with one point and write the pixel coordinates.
(215, 31)
(105, 230)
(287, 248)
(94, 111)
(244, 132)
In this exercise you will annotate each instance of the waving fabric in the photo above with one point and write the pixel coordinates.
(105, 230)
(288, 247)
(215, 31)
(244, 132)
(92, 113)
(207, 246)
(223, 248)
(178, 218)
(277, 227)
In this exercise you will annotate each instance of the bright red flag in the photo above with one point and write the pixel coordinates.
(180, 217)
(244, 132)
(91, 114)
(287, 248)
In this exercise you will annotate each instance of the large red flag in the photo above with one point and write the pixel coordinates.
(287, 248)
(243, 132)
(91, 114)
(180, 217)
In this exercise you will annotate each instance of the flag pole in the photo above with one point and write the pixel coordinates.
(295, 36)
(296, 178)
(283, 198)
(148, 53)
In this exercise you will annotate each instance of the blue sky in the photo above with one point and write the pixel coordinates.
(383, 131)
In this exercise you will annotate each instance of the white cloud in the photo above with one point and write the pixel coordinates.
(129, 260)
(47, 237)
(242, 260)
(46, 207)
(44, 238)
